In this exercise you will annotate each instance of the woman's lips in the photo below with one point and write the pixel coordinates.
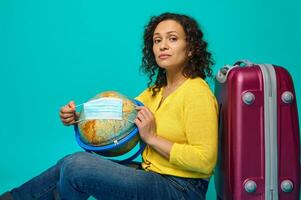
(164, 56)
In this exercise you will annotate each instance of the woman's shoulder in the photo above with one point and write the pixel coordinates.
(198, 92)
(145, 95)
(197, 85)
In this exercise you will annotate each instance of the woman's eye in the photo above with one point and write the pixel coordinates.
(156, 41)
(173, 39)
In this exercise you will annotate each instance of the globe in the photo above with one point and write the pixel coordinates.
(109, 137)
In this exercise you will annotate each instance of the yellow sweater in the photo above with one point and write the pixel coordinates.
(188, 118)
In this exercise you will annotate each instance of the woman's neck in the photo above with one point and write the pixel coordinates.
(174, 79)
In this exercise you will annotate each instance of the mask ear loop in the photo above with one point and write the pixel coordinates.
(130, 121)
(135, 106)
(80, 120)
(76, 122)
(79, 105)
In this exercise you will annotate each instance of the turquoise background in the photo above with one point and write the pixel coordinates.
(55, 51)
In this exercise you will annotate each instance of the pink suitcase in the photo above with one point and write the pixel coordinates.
(259, 142)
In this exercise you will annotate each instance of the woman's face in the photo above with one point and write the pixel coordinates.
(170, 46)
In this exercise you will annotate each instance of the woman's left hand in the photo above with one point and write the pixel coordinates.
(146, 123)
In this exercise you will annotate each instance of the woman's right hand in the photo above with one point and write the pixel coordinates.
(68, 114)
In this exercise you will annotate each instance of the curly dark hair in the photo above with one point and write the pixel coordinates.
(200, 61)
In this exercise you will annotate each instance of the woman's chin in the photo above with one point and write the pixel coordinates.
(164, 66)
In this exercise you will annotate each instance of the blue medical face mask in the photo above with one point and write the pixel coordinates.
(103, 108)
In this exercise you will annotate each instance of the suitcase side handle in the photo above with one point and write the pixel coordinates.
(222, 73)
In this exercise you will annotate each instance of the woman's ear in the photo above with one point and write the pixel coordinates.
(189, 53)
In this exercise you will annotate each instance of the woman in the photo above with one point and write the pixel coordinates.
(178, 123)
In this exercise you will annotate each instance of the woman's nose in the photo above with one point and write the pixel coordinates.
(163, 45)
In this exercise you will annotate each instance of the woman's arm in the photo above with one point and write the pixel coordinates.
(199, 153)
(147, 129)
(161, 145)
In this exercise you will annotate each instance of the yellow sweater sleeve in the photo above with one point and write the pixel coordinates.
(144, 96)
(199, 154)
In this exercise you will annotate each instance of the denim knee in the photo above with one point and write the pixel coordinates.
(74, 163)
(74, 173)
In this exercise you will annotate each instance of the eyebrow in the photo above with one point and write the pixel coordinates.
(167, 32)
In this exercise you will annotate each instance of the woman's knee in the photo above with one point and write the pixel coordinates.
(75, 160)
(75, 166)
(82, 162)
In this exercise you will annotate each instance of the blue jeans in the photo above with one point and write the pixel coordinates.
(82, 174)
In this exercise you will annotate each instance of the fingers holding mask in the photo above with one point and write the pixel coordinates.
(68, 113)
(71, 105)
(145, 121)
(144, 117)
(69, 108)
(68, 121)
(141, 116)
(144, 114)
